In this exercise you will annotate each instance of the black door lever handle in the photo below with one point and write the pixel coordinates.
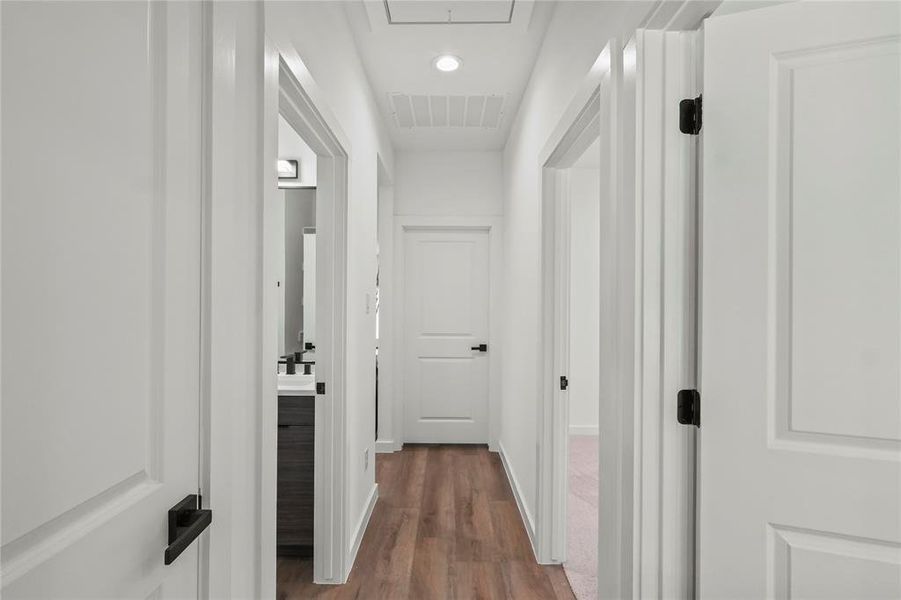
(480, 348)
(186, 522)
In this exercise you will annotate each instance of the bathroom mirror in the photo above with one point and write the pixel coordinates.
(297, 271)
(300, 272)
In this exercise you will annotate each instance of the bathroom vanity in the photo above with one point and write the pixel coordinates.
(296, 425)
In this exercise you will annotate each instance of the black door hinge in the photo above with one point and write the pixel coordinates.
(320, 387)
(690, 116)
(564, 382)
(688, 411)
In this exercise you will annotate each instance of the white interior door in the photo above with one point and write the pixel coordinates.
(800, 455)
(101, 221)
(445, 317)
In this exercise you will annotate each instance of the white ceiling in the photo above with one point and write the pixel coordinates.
(498, 58)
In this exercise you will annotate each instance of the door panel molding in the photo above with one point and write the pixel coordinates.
(877, 561)
(788, 222)
(44, 541)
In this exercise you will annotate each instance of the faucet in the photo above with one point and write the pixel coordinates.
(309, 348)
(289, 364)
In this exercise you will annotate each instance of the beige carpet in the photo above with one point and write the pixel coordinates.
(582, 517)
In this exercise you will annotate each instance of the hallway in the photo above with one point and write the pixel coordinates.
(446, 526)
(276, 275)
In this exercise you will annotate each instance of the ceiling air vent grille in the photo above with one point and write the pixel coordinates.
(420, 110)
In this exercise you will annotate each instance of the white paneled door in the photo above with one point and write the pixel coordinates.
(101, 223)
(445, 321)
(800, 455)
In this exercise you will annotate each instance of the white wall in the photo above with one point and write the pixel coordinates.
(292, 146)
(433, 183)
(387, 440)
(448, 183)
(584, 299)
(318, 32)
(576, 35)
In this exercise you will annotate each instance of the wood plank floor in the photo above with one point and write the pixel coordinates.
(446, 526)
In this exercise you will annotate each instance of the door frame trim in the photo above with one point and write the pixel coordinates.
(574, 133)
(666, 197)
(250, 77)
(288, 90)
(494, 226)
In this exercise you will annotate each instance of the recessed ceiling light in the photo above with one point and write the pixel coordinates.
(447, 63)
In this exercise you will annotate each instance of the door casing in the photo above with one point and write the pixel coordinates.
(287, 92)
(592, 112)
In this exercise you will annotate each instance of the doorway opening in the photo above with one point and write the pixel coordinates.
(383, 320)
(573, 197)
(296, 385)
(586, 336)
(581, 256)
(304, 263)
(645, 354)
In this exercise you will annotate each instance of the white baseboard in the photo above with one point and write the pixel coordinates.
(517, 493)
(583, 430)
(385, 446)
(361, 528)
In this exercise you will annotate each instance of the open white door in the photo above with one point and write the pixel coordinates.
(101, 241)
(800, 455)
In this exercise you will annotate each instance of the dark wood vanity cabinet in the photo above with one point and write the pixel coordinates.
(295, 475)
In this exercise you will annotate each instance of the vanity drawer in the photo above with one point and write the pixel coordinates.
(296, 410)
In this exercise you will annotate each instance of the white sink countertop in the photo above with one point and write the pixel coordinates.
(296, 385)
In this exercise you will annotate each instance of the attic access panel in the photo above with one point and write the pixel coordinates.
(448, 12)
